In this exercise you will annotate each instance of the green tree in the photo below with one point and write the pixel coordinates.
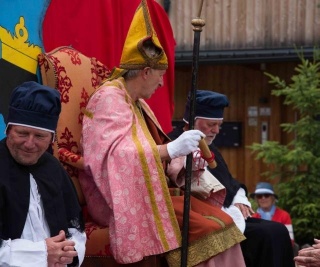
(297, 164)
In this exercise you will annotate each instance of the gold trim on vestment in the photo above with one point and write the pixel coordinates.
(162, 179)
(208, 246)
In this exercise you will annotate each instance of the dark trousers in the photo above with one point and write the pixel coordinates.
(268, 244)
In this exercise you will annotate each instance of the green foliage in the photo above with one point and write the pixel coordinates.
(297, 164)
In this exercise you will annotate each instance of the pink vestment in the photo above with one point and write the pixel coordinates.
(124, 182)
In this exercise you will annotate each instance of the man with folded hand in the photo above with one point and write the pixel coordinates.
(40, 217)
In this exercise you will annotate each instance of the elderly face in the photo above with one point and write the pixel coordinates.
(209, 127)
(154, 80)
(26, 144)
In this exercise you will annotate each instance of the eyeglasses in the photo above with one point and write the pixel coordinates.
(263, 195)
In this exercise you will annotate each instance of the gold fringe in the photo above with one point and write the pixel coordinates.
(207, 247)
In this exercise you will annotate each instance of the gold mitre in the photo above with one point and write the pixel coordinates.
(141, 32)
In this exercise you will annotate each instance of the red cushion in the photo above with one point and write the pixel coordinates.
(98, 243)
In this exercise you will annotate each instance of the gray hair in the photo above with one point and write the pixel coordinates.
(130, 74)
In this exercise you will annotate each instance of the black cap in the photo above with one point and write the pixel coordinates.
(34, 105)
(209, 105)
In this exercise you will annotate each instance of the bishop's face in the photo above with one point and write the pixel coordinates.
(154, 80)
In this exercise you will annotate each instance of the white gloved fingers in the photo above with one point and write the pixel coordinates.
(195, 134)
(191, 144)
(192, 139)
(185, 143)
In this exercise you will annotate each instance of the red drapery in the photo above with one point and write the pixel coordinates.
(99, 28)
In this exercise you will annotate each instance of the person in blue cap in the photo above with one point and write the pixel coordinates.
(267, 243)
(266, 199)
(40, 218)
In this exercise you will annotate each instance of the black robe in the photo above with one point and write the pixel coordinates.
(267, 243)
(59, 197)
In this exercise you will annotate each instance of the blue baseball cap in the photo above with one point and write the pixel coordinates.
(263, 188)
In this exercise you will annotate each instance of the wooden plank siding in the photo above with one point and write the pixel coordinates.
(239, 24)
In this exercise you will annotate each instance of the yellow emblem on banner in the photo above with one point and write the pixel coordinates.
(16, 49)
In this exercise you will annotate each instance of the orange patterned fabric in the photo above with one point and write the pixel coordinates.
(98, 243)
(76, 76)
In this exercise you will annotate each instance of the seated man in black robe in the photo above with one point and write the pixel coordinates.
(267, 243)
(40, 217)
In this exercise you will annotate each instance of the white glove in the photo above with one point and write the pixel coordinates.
(185, 144)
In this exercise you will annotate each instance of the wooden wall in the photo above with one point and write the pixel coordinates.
(246, 86)
(240, 24)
